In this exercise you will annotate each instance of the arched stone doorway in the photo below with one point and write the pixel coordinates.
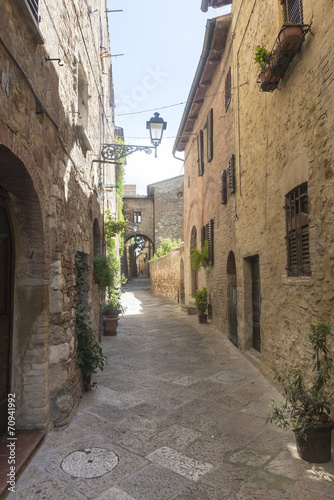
(28, 303)
(138, 250)
(194, 274)
(231, 272)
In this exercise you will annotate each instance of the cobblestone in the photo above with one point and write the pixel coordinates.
(185, 413)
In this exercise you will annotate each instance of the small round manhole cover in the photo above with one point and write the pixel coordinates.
(89, 462)
(230, 377)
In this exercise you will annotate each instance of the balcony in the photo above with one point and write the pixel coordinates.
(288, 43)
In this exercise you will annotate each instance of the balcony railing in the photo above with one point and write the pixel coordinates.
(34, 7)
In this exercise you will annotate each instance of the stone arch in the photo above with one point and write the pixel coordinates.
(194, 274)
(29, 298)
(231, 272)
(131, 264)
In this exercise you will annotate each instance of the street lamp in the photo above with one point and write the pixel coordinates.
(135, 227)
(156, 125)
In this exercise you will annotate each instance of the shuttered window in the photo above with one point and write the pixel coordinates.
(292, 11)
(228, 90)
(200, 153)
(231, 174)
(34, 7)
(207, 235)
(209, 141)
(224, 187)
(297, 227)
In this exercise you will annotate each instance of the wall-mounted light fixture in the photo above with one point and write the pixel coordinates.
(156, 125)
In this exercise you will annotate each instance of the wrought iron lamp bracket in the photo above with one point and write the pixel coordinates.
(118, 151)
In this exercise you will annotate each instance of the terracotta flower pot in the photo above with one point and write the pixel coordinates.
(111, 324)
(317, 447)
(202, 318)
(291, 38)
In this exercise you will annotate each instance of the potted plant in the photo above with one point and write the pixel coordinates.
(291, 37)
(307, 406)
(103, 273)
(201, 302)
(111, 311)
(264, 59)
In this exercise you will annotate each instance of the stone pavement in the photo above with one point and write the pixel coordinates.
(178, 413)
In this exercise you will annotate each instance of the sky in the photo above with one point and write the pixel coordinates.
(162, 42)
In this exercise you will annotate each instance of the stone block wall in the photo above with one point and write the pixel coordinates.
(50, 185)
(166, 275)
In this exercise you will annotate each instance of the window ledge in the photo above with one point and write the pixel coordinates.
(84, 135)
(297, 280)
(28, 18)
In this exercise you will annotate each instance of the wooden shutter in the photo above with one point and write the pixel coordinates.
(224, 187)
(209, 231)
(231, 174)
(209, 142)
(203, 236)
(200, 153)
(228, 90)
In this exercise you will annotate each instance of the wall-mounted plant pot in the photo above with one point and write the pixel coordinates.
(202, 318)
(268, 80)
(291, 38)
(317, 447)
(111, 324)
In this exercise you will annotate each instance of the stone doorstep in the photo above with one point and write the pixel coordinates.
(189, 309)
(26, 442)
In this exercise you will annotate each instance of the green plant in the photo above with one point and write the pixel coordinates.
(201, 299)
(165, 246)
(262, 56)
(307, 402)
(113, 306)
(89, 352)
(112, 227)
(200, 258)
(103, 273)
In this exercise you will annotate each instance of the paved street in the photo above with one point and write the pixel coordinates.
(178, 413)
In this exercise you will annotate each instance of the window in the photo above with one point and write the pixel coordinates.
(228, 86)
(231, 174)
(207, 235)
(82, 97)
(34, 7)
(292, 11)
(297, 228)
(224, 187)
(200, 153)
(209, 137)
(137, 217)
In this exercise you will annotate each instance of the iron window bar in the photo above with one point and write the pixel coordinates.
(34, 8)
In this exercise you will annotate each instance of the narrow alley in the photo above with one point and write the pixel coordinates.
(178, 413)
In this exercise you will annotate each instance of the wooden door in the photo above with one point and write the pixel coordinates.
(5, 308)
(232, 304)
(256, 303)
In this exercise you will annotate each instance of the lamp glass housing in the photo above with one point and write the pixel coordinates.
(156, 126)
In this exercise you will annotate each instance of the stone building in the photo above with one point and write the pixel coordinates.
(264, 184)
(56, 108)
(152, 217)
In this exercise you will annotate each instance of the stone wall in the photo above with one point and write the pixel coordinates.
(166, 275)
(168, 208)
(50, 185)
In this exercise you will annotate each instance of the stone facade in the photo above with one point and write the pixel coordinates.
(280, 141)
(161, 216)
(167, 275)
(51, 192)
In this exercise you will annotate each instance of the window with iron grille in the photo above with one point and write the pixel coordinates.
(231, 174)
(207, 235)
(200, 152)
(297, 229)
(209, 137)
(137, 217)
(224, 187)
(292, 11)
(228, 90)
(34, 7)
